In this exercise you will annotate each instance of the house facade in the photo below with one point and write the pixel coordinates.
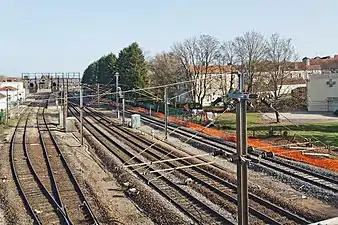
(16, 93)
(298, 75)
(217, 84)
(322, 92)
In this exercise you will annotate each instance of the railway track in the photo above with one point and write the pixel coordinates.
(259, 207)
(278, 164)
(196, 209)
(47, 186)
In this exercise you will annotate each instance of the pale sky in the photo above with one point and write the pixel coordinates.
(63, 36)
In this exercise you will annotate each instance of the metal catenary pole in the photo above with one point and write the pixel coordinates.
(81, 114)
(63, 101)
(65, 106)
(7, 106)
(166, 111)
(98, 94)
(242, 167)
(123, 111)
(17, 99)
(117, 95)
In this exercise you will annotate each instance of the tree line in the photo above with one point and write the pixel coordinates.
(130, 65)
(266, 62)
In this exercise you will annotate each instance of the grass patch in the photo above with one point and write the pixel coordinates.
(228, 121)
(327, 132)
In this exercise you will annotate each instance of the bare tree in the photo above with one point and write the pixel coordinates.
(250, 51)
(165, 69)
(185, 52)
(226, 57)
(196, 57)
(280, 57)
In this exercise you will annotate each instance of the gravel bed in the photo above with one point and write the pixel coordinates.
(264, 187)
(13, 208)
(288, 195)
(308, 189)
(153, 204)
(99, 187)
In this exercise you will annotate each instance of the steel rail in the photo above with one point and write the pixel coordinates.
(253, 211)
(42, 187)
(271, 163)
(145, 179)
(69, 172)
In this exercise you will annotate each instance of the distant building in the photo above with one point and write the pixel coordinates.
(322, 92)
(286, 88)
(218, 80)
(16, 94)
(298, 74)
(49, 81)
(2, 101)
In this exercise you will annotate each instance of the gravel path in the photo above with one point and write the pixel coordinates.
(302, 117)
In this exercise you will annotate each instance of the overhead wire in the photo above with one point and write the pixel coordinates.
(173, 132)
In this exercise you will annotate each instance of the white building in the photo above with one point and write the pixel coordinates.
(2, 101)
(16, 93)
(322, 92)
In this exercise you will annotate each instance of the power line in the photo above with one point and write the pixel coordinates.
(151, 88)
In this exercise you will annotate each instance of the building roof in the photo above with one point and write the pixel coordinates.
(9, 79)
(324, 76)
(9, 88)
(212, 69)
(294, 81)
(2, 96)
(316, 63)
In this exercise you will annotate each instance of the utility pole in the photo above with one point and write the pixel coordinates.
(166, 112)
(67, 84)
(117, 95)
(17, 99)
(242, 167)
(241, 156)
(123, 110)
(98, 94)
(64, 101)
(7, 106)
(81, 114)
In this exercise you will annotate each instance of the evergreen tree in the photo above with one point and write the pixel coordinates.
(132, 68)
(89, 75)
(102, 70)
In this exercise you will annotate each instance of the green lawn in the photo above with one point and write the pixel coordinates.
(228, 120)
(325, 132)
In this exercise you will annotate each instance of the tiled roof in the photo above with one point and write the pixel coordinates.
(8, 88)
(317, 63)
(213, 69)
(9, 79)
(294, 81)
